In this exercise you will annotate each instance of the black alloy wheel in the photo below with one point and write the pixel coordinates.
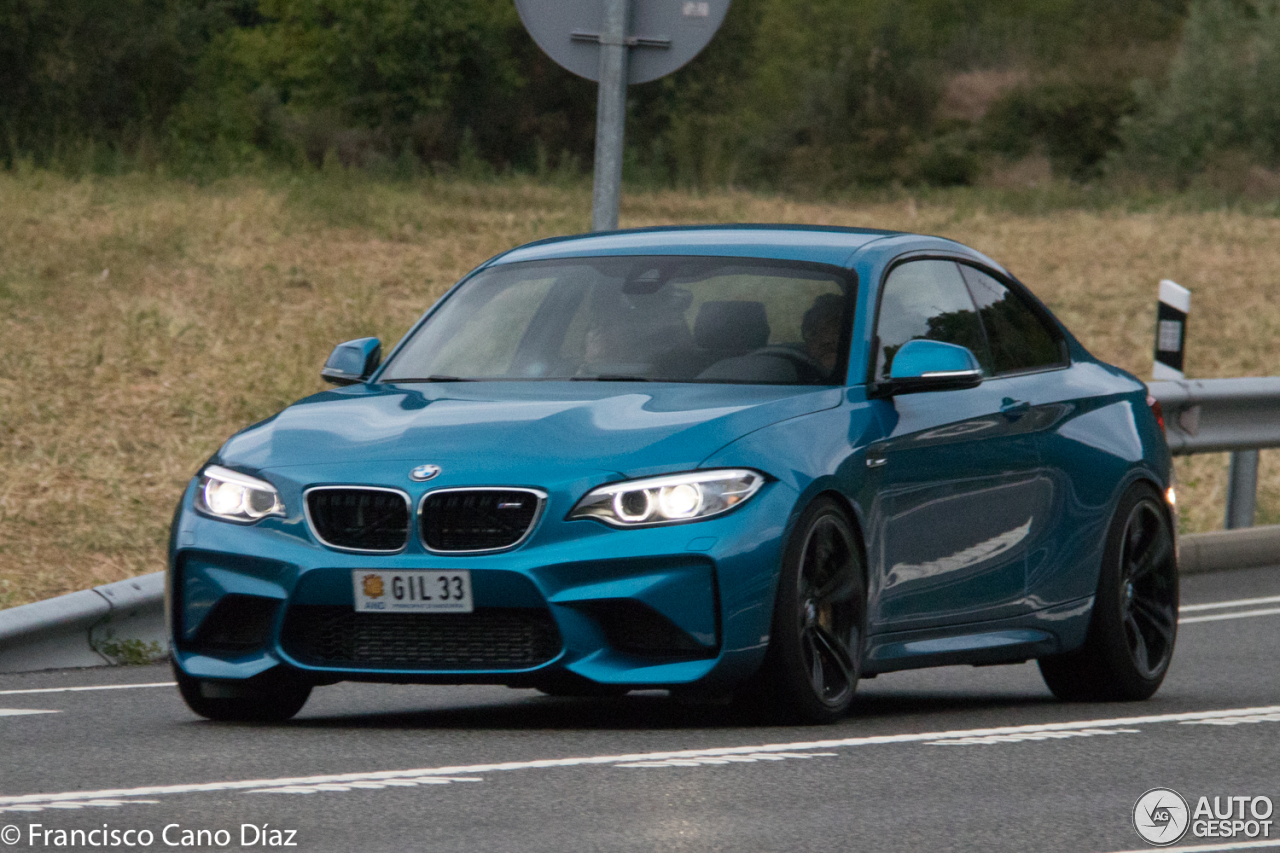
(1149, 596)
(815, 650)
(1135, 612)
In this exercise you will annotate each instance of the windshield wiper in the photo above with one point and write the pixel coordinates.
(435, 377)
(610, 377)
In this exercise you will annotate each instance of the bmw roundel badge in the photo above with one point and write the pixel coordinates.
(424, 472)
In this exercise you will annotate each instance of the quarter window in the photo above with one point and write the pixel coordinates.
(1018, 338)
(927, 299)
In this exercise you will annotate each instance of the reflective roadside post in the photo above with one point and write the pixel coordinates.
(1171, 331)
(618, 43)
(1171, 346)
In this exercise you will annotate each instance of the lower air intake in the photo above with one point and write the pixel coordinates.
(493, 638)
(237, 623)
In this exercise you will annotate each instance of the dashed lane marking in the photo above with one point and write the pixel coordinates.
(22, 712)
(1220, 605)
(393, 778)
(1218, 617)
(1235, 721)
(1021, 737)
(706, 761)
(365, 785)
(96, 687)
(1273, 844)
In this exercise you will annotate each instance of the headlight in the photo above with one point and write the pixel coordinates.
(665, 500)
(233, 496)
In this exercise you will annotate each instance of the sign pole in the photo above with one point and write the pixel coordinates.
(611, 116)
(618, 43)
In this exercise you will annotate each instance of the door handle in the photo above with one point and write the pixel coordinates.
(875, 460)
(1014, 409)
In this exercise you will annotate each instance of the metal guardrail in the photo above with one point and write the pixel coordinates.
(1239, 416)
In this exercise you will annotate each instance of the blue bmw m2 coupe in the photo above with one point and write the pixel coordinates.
(741, 461)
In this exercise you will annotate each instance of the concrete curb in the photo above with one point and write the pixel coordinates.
(124, 622)
(116, 623)
(1247, 548)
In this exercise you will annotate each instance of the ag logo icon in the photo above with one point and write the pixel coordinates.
(1161, 816)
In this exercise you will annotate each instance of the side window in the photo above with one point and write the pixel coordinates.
(927, 299)
(1019, 339)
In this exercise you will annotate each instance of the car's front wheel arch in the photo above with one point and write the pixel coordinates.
(818, 632)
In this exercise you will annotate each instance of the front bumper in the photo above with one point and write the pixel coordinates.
(657, 607)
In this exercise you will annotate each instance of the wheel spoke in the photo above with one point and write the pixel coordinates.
(817, 674)
(834, 650)
(1137, 644)
(840, 588)
(1158, 617)
(1152, 557)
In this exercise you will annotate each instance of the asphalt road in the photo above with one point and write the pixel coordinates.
(915, 767)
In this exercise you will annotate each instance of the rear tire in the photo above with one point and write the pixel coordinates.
(1135, 612)
(257, 701)
(811, 669)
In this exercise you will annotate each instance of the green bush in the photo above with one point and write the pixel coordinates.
(1076, 122)
(1223, 92)
(816, 96)
(83, 81)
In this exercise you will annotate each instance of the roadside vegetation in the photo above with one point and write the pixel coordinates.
(144, 319)
(812, 98)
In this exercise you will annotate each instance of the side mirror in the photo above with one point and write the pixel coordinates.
(923, 365)
(352, 362)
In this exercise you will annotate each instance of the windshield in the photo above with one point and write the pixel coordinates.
(660, 319)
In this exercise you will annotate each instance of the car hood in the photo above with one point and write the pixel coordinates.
(519, 427)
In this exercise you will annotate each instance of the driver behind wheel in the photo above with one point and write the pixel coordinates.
(820, 329)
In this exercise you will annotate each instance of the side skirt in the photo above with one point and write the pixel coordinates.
(1056, 629)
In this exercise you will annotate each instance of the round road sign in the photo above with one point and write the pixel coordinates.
(663, 35)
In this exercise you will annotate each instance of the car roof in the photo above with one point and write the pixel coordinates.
(816, 243)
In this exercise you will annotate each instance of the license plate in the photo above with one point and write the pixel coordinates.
(412, 592)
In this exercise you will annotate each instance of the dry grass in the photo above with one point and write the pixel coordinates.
(143, 321)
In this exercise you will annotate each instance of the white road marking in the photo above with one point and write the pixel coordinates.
(9, 803)
(1235, 721)
(386, 783)
(750, 758)
(1218, 617)
(80, 804)
(1214, 848)
(1020, 738)
(99, 687)
(1239, 602)
(22, 712)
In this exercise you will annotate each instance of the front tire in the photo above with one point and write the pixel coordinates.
(258, 702)
(1135, 613)
(812, 666)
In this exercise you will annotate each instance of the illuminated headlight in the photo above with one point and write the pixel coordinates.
(233, 496)
(673, 498)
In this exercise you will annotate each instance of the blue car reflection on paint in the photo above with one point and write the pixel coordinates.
(761, 461)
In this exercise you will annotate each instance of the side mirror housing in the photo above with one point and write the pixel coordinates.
(353, 361)
(924, 365)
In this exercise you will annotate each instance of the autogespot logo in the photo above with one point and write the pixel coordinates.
(1161, 816)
